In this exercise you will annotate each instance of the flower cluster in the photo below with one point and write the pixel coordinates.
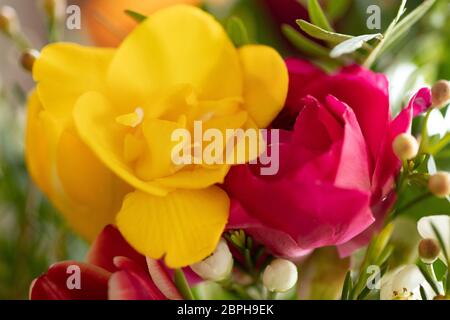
(102, 133)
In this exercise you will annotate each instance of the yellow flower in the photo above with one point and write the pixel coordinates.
(100, 127)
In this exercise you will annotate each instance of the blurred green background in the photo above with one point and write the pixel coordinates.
(33, 235)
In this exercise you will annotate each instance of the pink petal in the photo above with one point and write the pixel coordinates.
(278, 242)
(313, 214)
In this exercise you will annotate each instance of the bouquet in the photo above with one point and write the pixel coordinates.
(238, 149)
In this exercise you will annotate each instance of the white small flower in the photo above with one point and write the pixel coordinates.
(280, 275)
(404, 283)
(442, 224)
(217, 267)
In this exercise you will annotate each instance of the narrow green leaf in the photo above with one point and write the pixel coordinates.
(402, 27)
(441, 241)
(336, 9)
(428, 278)
(385, 255)
(317, 15)
(304, 44)
(423, 294)
(377, 51)
(353, 44)
(322, 34)
(237, 31)
(138, 17)
(182, 284)
(347, 287)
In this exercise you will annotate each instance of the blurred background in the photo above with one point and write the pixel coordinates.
(33, 235)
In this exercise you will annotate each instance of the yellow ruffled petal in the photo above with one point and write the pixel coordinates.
(265, 83)
(65, 71)
(183, 226)
(86, 193)
(157, 159)
(176, 46)
(195, 177)
(95, 119)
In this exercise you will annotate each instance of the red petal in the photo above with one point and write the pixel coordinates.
(54, 284)
(132, 282)
(109, 244)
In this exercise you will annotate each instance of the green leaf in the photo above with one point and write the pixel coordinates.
(441, 241)
(402, 27)
(237, 31)
(353, 44)
(348, 286)
(304, 44)
(138, 17)
(322, 34)
(317, 15)
(428, 277)
(423, 294)
(336, 9)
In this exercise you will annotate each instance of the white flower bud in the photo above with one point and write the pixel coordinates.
(439, 184)
(440, 93)
(9, 23)
(217, 267)
(405, 146)
(280, 275)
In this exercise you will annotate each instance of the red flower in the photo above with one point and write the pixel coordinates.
(336, 164)
(113, 270)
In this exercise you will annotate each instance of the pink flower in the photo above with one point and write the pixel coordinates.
(337, 167)
(113, 271)
(286, 11)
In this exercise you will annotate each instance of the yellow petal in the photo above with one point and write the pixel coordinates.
(85, 180)
(195, 178)
(157, 159)
(95, 119)
(183, 226)
(265, 83)
(65, 71)
(65, 170)
(176, 46)
(42, 135)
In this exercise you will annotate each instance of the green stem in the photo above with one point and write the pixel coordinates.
(424, 132)
(182, 285)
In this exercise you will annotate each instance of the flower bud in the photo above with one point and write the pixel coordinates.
(280, 275)
(405, 146)
(9, 23)
(54, 8)
(441, 297)
(440, 93)
(439, 184)
(429, 250)
(28, 58)
(217, 267)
